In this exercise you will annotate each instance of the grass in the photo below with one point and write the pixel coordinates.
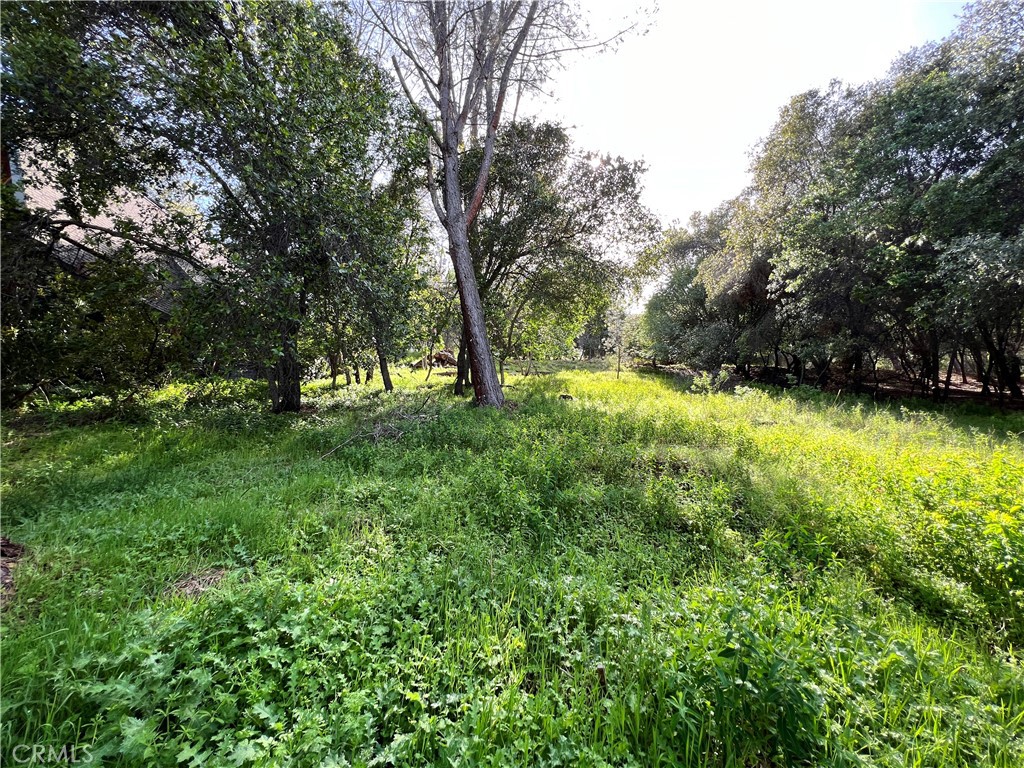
(639, 575)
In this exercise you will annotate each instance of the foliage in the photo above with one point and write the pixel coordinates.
(555, 236)
(93, 330)
(868, 209)
(287, 145)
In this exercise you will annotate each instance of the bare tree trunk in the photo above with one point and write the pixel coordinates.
(385, 373)
(344, 367)
(332, 360)
(486, 387)
(289, 378)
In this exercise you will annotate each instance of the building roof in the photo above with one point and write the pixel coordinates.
(124, 221)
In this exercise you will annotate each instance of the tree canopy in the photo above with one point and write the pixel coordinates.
(292, 147)
(876, 219)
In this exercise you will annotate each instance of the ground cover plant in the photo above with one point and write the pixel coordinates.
(608, 571)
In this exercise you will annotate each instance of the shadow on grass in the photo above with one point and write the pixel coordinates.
(653, 495)
(969, 419)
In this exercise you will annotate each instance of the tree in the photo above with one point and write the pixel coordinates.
(295, 144)
(72, 126)
(713, 307)
(985, 280)
(556, 235)
(291, 127)
(466, 57)
(883, 222)
(91, 330)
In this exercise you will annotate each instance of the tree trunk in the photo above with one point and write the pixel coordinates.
(949, 376)
(461, 366)
(934, 365)
(486, 387)
(986, 388)
(1007, 376)
(343, 356)
(332, 360)
(821, 368)
(289, 376)
(385, 374)
(978, 358)
(857, 372)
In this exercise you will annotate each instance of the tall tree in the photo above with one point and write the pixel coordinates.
(458, 63)
(882, 222)
(557, 233)
(291, 126)
(293, 140)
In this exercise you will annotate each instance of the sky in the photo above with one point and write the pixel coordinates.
(695, 93)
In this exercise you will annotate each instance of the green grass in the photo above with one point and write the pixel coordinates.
(635, 576)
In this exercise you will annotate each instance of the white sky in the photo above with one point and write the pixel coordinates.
(693, 95)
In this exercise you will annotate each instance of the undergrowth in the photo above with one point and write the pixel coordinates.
(638, 575)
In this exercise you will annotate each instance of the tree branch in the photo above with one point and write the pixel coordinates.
(492, 128)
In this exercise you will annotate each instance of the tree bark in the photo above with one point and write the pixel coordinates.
(486, 386)
(1008, 377)
(461, 366)
(385, 373)
(289, 377)
(949, 376)
(934, 365)
(332, 360)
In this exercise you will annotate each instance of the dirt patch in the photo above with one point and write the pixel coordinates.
(195, 584)
(10, 554)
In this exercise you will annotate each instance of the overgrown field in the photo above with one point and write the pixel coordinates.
(638, 575)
